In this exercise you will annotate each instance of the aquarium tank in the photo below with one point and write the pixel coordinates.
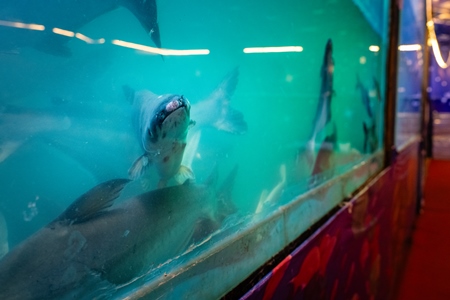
(168, 149)
(410, 72)
(439, 76)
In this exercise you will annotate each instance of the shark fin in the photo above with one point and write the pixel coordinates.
(183, 174)
(220, 114)
(156, 36)
(8, 148)
(228, 84)
(275, 194)
(191, 149)
(231, 120)
(139, 166)
(54, 46)
(146, 12)
(262, 201)
(162, 184)
(94, 201)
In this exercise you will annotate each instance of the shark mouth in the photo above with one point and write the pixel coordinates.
(169, 106)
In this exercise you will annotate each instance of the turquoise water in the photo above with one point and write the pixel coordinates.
(66, 125)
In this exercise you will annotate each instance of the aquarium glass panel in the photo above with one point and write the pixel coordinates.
(168, 149)
(410, 71)
(439, 79)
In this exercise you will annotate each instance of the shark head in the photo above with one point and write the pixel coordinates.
(171, 119)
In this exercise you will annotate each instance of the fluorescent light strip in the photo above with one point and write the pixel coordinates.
(153, 50)
(88, 39)
(412, 47)
(78, 35)
(374, 48)
(22, 25)
(63, 32)
(273, 49)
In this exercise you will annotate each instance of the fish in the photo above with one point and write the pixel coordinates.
(95, 238)
(18, 125)
(189, 155)
(370, 137)
(365, 97)
(163, 121)
(268, 199)
(67, 15)
(369, 126)
(323, 111)
(377, 88)
(216, 111)
(324, 160)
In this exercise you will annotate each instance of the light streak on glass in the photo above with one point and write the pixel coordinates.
(432, 40)
(88, 39)
(160, 51)
(22, 25)
(63, 32)
(273, 49)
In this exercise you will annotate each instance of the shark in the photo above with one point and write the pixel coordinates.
(162, 124)
(67, 15)
(94, 237)
(370, 143)
(322, 115)
(17, 125)
(323, 111)
(324, 160)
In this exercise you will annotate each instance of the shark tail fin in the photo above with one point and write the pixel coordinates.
(229, 119)
(129, 93)
(94, 201)
(262, 201)
(225, 205)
